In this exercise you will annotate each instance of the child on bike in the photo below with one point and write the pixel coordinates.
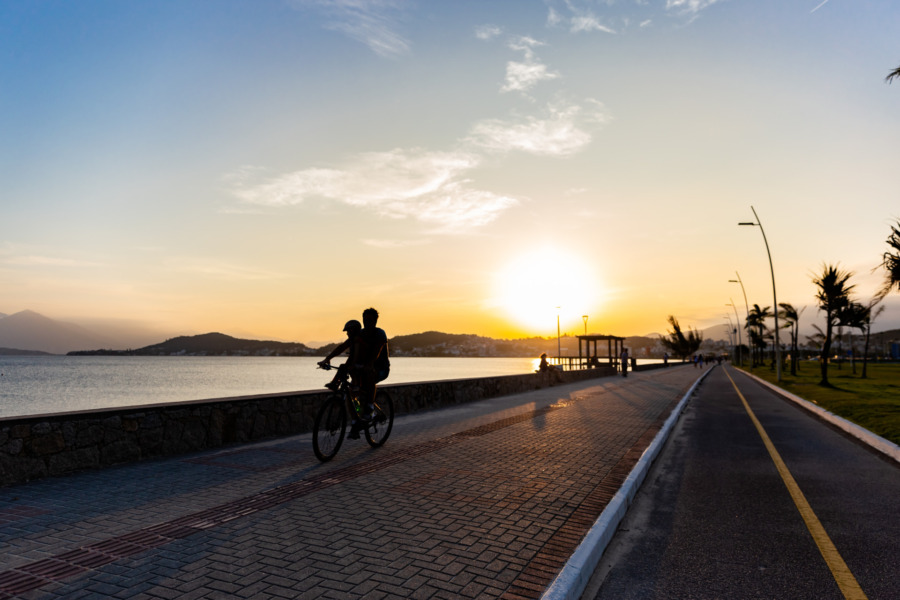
(354, 343)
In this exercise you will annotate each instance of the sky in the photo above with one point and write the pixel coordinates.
(269, 168)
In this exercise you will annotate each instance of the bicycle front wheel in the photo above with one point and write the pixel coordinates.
(329, 429)
(382, 420)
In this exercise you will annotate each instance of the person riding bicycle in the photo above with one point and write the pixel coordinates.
(352, 343)
(368, 364)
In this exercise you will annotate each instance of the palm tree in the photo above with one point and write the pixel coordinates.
(833, 296)
(792, 322)
(756, 327)
(680, 344)
(895, 74)
(854, 316)
(891, 259)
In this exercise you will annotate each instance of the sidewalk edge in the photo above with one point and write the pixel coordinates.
(575, 575)
(876, 442)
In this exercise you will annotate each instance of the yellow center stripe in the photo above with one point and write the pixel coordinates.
(842, 575)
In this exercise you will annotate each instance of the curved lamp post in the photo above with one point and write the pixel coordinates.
(746, 308)
(737, 320)
(758, 223)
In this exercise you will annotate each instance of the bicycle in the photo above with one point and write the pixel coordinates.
(331, 421)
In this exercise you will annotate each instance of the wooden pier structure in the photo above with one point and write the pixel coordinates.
(588, 356)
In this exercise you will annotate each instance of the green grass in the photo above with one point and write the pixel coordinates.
(873, 403)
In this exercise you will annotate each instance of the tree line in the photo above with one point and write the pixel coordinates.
(834, 297)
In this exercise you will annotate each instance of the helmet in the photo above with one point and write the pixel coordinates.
(352, 326)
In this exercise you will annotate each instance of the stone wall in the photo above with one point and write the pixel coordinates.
(41, 446)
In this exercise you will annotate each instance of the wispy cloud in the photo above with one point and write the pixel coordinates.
(820, 5)
(522, 76)
(579, 19)
(565, 129)
(689, 6)
(427, 186)
(375, 23)
(487, 32)
(588, 23)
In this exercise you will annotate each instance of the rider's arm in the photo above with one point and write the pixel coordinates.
(342, 347)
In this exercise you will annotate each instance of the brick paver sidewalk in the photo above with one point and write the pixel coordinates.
(485, 500)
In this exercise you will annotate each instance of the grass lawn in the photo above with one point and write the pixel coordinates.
(873, 403)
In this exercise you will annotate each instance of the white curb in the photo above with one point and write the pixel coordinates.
(575, 575)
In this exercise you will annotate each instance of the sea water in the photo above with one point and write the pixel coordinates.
(37, 385)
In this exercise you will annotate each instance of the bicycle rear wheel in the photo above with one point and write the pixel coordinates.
(329, 429)
(382, 420)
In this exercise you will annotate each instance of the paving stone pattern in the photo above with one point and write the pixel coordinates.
(482, 501)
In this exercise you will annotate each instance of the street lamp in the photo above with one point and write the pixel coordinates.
(737, 320)
(585, 318)
(558, 347)
(746, 308)
(758, 223)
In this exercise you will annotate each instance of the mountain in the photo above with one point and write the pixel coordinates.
(212, 344)
(29, 330)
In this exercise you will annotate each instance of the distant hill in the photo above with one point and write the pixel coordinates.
(210, 344)
(31, 331)
(16, 352)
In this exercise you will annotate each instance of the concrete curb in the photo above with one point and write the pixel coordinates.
(877, 443)
(575, 575)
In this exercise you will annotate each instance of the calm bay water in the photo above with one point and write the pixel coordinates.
(32, 385)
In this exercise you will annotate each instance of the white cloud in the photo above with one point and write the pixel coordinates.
(426, 186)
(691, 6)
(521, 77)
(588, 23)
(372, 22)
(487, 32)
(564, 131)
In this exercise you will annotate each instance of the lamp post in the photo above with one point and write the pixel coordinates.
(558, 347)
(758, 223)
(585, 318)
(731, 331)
(737, 320)
(746, 308)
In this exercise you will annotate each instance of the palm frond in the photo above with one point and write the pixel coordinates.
(895, 74)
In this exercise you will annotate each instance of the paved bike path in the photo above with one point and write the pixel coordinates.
(486, 500)
(721, 517)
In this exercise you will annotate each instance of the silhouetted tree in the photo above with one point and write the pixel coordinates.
(756, 327)
(679, 344)
(854, 316)
(833, 297)
(895, 74)
(891, 262)
(871, 315)
(792, 322)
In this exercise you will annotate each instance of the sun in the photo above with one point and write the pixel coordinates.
(535, 287)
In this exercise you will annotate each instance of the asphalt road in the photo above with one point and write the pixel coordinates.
(715, 518)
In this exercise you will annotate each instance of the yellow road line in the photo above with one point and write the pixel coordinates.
(842, 575)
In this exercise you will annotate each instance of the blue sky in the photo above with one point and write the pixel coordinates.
(271, 168)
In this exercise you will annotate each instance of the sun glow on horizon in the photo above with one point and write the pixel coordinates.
(537, 286)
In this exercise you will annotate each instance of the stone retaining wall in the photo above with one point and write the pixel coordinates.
(41, 446)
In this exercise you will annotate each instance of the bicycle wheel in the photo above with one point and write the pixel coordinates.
(328, 432)
(382, 420)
